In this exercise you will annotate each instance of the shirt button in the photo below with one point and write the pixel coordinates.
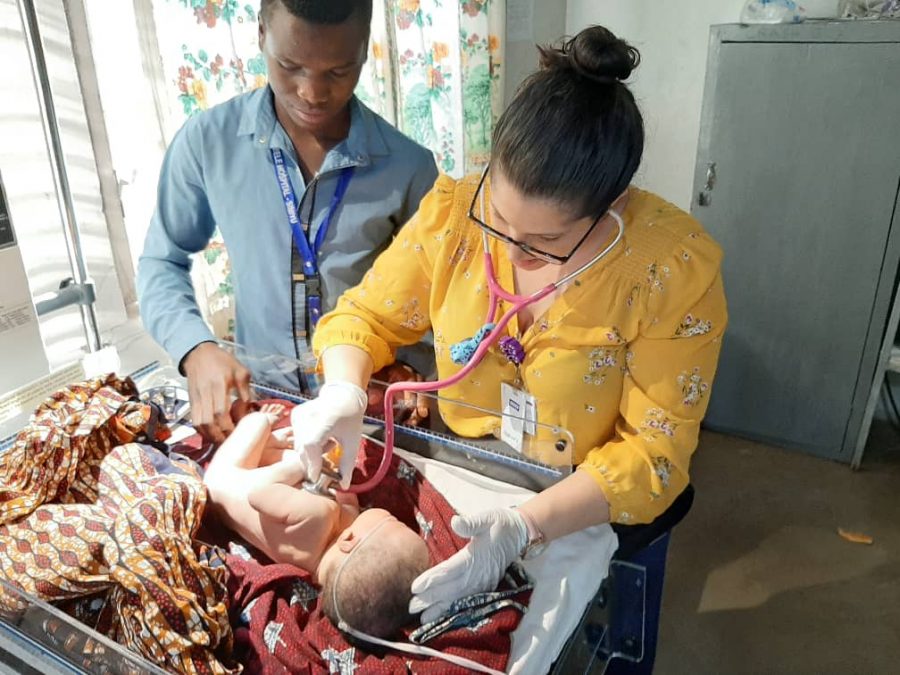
(262, 140)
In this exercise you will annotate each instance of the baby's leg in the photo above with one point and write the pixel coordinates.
(228, 471)
(238, 465)
(244, 447)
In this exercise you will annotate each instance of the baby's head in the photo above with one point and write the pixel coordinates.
(373, 588)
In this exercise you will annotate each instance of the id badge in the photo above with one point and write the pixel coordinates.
(519, 415)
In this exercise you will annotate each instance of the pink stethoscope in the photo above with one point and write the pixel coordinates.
(497, 293)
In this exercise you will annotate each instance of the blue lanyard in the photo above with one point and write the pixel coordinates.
(308, 254)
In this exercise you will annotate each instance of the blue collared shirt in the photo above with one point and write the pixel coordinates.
(218, 171)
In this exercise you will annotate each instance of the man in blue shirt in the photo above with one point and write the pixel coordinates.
(357, 180)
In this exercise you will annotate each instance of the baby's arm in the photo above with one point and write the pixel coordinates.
(234, 470)
(295, 525)
(281, 503)
(289, 505)
(244, 446)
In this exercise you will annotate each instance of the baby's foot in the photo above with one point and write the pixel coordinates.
(272, 411)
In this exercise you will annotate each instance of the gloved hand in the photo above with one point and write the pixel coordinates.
(336, 413)
(497, 539)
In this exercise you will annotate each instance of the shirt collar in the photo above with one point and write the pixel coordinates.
(365, 140)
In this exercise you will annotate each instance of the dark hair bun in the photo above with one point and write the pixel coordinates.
(595, 53)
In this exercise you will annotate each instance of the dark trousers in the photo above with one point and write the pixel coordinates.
(625, 626)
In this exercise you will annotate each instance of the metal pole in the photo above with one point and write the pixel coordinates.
(58, 162)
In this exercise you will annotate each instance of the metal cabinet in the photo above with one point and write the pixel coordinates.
(797, 177)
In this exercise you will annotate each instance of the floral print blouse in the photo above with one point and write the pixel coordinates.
(624, 357)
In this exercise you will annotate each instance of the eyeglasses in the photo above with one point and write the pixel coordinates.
(546, 256)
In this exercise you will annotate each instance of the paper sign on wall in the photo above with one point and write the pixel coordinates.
(520, 20)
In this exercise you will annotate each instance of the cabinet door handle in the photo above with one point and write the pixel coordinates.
(705, 196)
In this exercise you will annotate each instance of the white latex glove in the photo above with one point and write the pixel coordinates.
(497, 539)
(336, 413)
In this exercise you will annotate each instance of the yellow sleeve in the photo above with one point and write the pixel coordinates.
(390, 306)
(670, 368)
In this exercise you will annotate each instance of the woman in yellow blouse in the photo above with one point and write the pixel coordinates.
(623, 356)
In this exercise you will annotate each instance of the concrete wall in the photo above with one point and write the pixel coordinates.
(673, 38)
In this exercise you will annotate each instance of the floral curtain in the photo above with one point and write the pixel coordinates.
(435, 70)
(450, 76)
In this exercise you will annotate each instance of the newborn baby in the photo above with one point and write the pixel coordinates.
(254, 487)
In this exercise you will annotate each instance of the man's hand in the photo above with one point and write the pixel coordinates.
(213, 374)
(412, 409)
